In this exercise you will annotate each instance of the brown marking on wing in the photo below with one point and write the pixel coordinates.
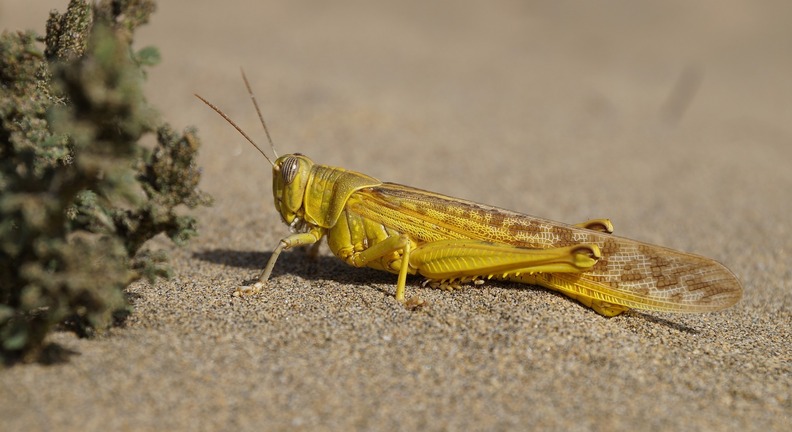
(642, 273)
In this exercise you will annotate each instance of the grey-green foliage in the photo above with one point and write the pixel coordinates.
(79, 195)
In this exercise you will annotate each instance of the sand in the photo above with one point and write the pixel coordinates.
(672, 120)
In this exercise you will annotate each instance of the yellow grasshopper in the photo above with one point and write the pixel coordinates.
(449, 241)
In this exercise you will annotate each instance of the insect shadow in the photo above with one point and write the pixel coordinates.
(321, 267)
(664, 322)
(325, 267)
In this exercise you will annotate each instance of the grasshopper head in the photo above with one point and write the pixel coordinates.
(290, 173)
(289, 179)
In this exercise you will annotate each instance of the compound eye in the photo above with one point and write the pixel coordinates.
(289, 169)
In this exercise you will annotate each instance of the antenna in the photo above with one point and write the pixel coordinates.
(228, 119)
(258, 111)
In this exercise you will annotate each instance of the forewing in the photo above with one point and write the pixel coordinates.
(429, 216)
(635, 274)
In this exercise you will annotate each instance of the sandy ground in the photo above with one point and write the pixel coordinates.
(673, 120)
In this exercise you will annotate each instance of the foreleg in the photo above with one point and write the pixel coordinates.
(294, 240)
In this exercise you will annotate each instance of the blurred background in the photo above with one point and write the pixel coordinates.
(558, 109)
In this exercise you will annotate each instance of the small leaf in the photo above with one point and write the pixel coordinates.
(148, 56)
(16, 339)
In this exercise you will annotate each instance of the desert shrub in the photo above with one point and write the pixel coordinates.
(79, 193)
